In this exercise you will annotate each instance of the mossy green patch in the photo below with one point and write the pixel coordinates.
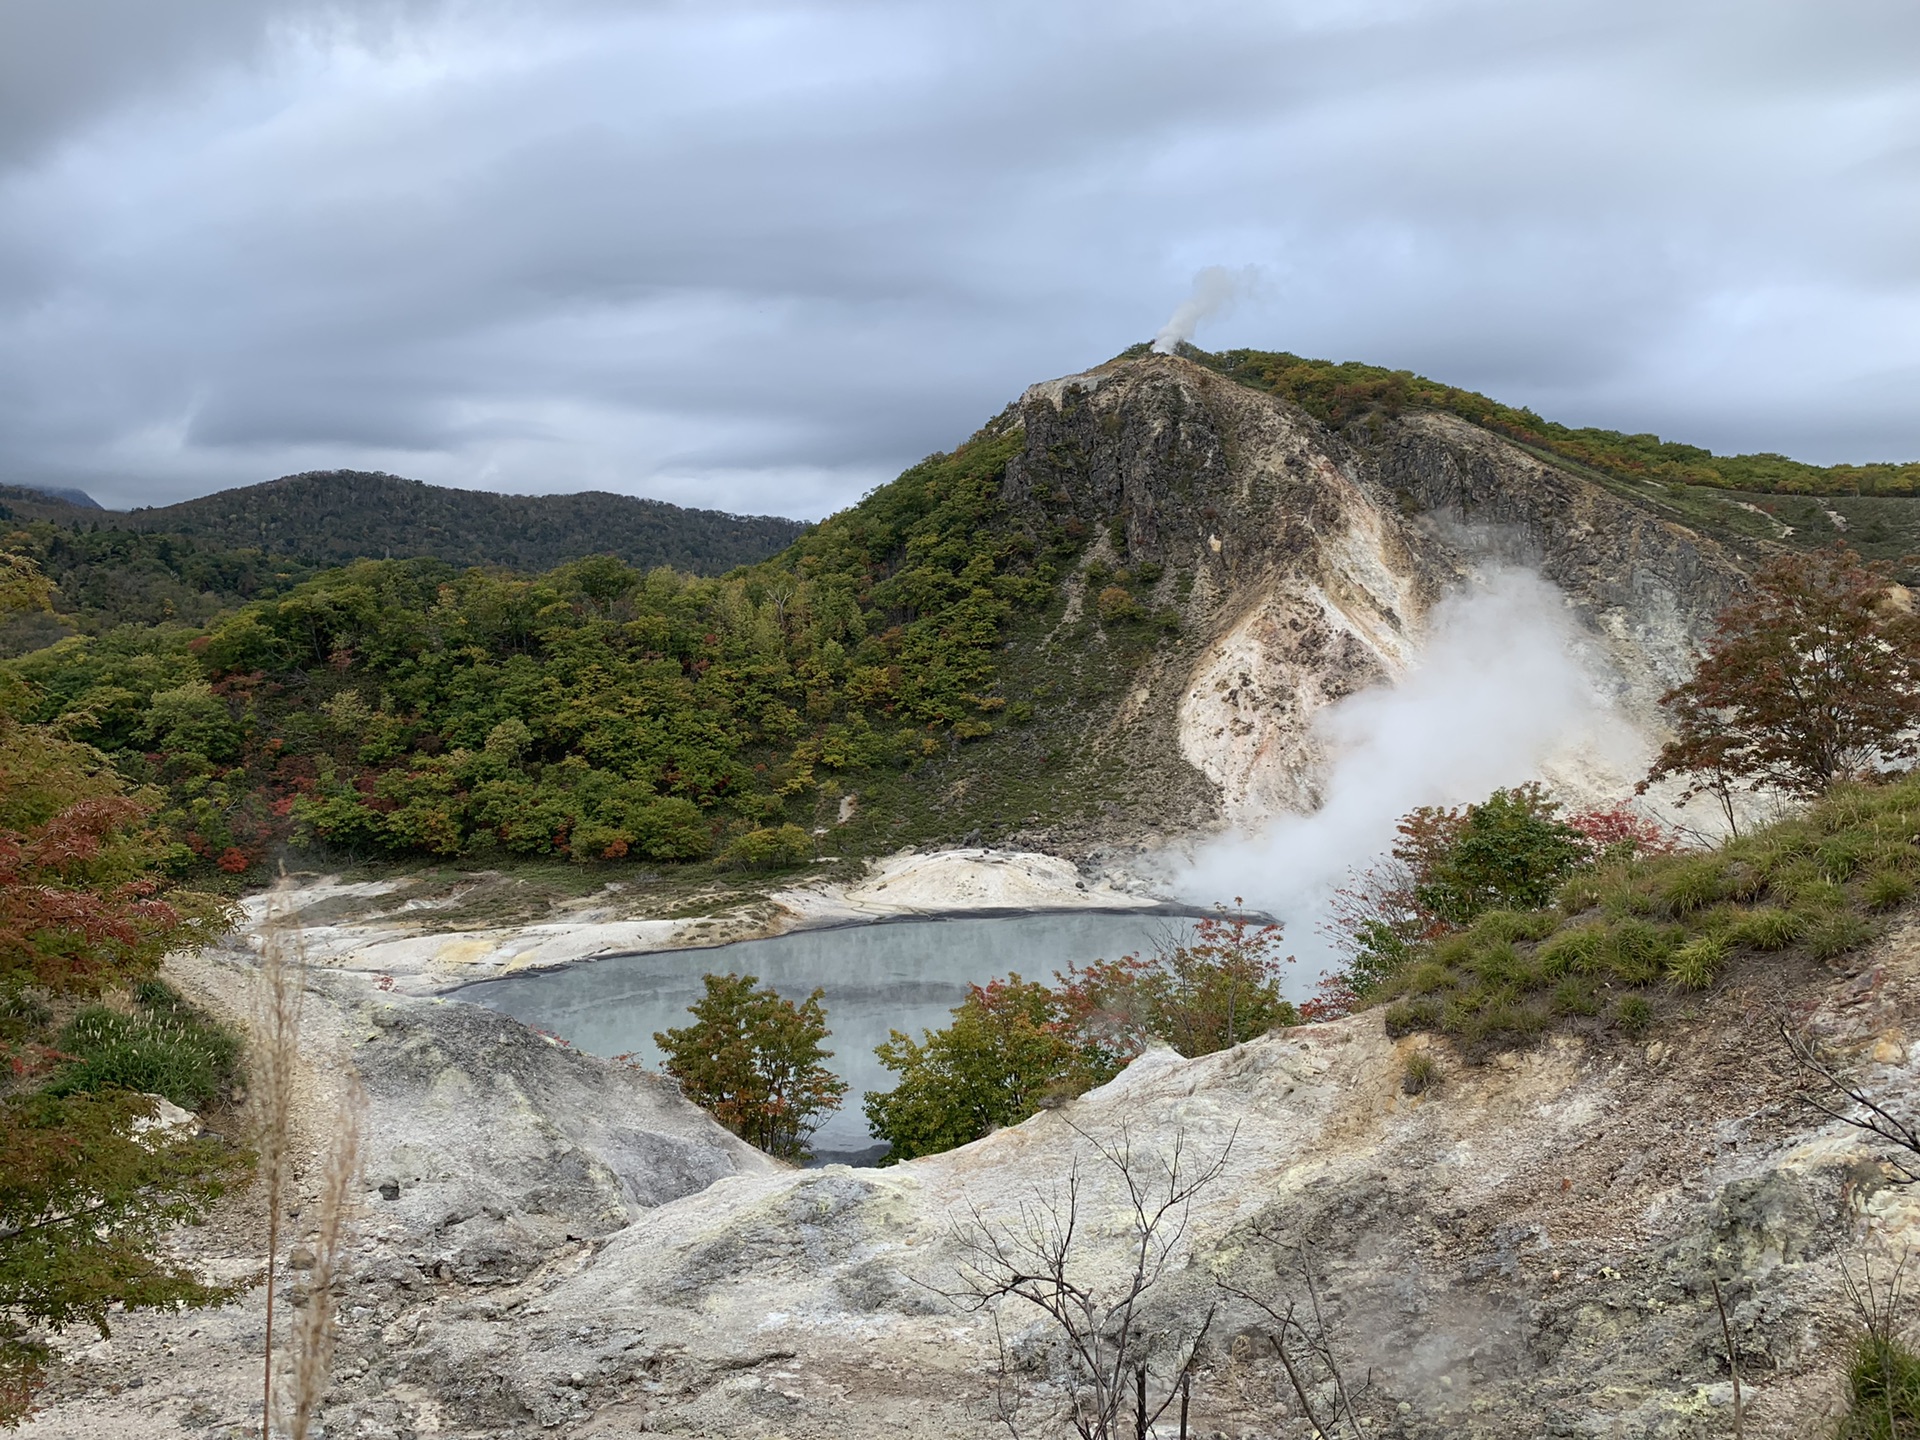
(1622, 941)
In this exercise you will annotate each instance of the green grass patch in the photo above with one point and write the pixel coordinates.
(1883, 1392)
(1695, 964)
(167, 1048)
(1633, 1015)
(1886, 889)
(1692, 883)
(1768, 927)
(1620, 943)
(1835, 934)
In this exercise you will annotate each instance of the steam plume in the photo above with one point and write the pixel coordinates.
(1215, 290)
(1504, 684)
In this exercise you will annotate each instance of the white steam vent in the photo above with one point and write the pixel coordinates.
(1216, 290)
(1504, 686)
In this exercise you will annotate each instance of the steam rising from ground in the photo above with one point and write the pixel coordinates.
(1215, 291)
(1505, 683)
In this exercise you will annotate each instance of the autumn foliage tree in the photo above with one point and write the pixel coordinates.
(81, 908)
(89, 1181)
(1812, 677)
(1203, 990)
(753, 1059)
(88, 1187)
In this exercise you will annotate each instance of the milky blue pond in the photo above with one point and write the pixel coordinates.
(898, 975)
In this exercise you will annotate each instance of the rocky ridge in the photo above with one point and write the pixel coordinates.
(1304, 565)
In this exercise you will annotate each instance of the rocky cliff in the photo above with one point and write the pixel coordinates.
(1303, 565)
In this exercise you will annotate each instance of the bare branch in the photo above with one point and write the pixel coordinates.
(1031, 1257)
(1877, 1121)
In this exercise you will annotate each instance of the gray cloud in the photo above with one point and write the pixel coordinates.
(763, 255)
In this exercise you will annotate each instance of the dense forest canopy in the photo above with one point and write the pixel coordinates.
(597, 711)
(333, 516)
(298, 524)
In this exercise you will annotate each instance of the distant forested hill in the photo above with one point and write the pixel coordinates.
(329, 517)
(191, 561)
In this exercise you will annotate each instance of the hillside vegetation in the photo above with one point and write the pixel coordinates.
(596, 712)
(1623, 938)
(1345, 392)
(192, 561)
(936, 662)
(329, 517)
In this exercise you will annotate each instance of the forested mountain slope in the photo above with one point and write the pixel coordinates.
(1111, 614)
(333, 516)
(193, 560)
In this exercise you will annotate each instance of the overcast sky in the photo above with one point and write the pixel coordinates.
(762, 256)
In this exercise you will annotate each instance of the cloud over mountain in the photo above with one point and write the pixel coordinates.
(759, 256)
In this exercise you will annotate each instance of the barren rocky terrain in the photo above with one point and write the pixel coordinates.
(551, 1243)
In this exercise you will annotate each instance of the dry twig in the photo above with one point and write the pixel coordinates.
(1861, 1110)
(278, 998)
(1302, 1341)
(1032, 1258)
(314, 1335)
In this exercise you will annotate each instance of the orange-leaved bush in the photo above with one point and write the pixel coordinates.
(1812, 677)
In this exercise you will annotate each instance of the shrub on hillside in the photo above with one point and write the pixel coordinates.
(770, 847)
(1006, 1054)
(1017, 1045)
(1509, 853)
(1204, 990)
(1636, 930)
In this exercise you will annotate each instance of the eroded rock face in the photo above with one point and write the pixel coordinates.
(1527, 1249)
(498, 1144)
(1306, 565)
(1647, 585)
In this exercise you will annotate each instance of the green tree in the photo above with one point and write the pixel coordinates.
(1812, 677)
(88, 1184)
(1509, 852)
(754, 1059)
(1204, 990)
(88, 1190)
(1007, 1051)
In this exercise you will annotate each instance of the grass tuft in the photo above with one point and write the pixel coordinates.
(176, 1052)
(1692, 883)
(1419, 1074)
(1833, 935)
(1767, 927)
(1694, 965)
(1634, 1015)
(1883, 1385)
(1886, 890)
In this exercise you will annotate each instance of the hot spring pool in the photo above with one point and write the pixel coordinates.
(894, 975)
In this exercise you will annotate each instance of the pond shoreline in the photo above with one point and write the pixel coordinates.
(391, 935)
(875, 980)
(814, 927)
